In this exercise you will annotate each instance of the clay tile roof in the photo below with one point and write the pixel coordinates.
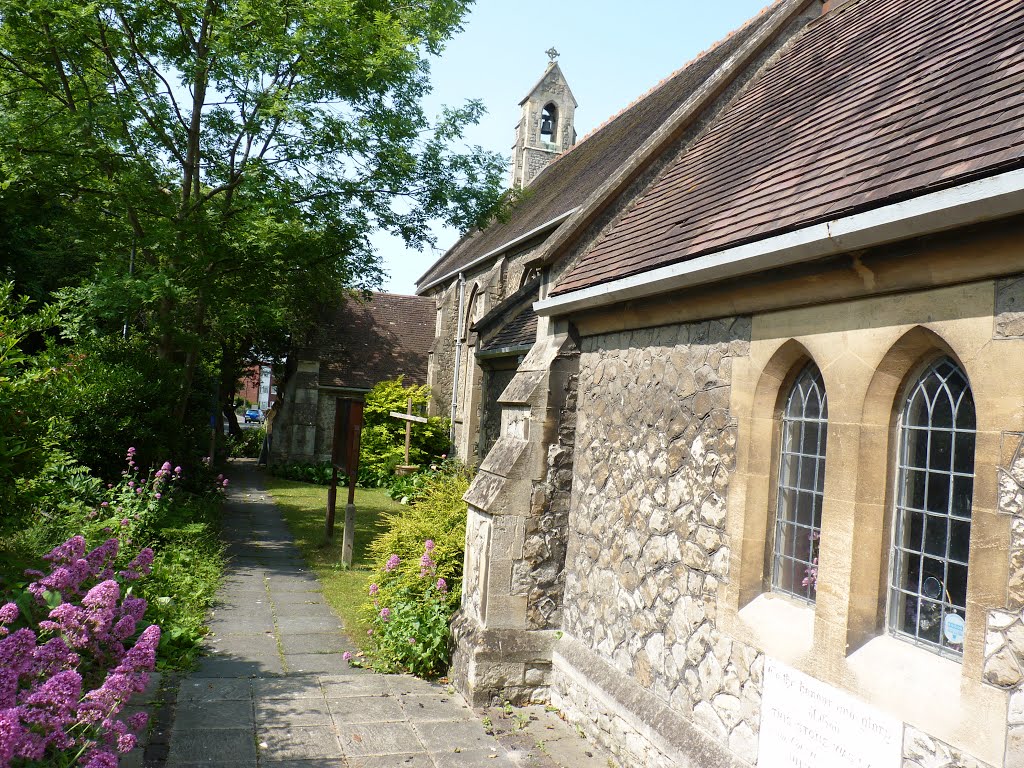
(361, 343)
(878, 100)
(568, 181)
(520, 333)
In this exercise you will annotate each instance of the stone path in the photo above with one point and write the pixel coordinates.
(275, 692)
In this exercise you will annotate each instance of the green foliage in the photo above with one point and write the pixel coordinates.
(305, 472)
(411, 634)
(382, 446)
(249, 445)
(143, 509)
(119, 396)
(186, 571)
(219, 150)
(26, 384)
(422, 543)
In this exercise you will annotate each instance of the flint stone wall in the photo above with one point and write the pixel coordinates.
(540, 574)
(1004, 639)
(655, 449)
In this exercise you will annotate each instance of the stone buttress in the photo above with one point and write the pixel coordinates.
(515, 535)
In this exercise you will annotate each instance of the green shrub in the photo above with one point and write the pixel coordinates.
(382, 445)
(248, 445)
(422, 543)
(305, 472)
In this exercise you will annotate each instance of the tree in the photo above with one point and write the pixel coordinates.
(225, 160)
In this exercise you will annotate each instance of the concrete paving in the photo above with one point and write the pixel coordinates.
(274, 690)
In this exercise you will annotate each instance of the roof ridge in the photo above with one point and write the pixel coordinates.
(665, 80)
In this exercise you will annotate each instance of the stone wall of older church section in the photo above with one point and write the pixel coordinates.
(648, 552)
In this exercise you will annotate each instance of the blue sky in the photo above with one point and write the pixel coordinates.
(611, 53)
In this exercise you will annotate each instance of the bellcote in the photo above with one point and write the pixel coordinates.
(545, 127)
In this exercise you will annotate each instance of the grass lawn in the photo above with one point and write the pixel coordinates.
(304, 506)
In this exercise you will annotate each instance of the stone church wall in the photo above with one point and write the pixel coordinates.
(648, 552)
(668, 619)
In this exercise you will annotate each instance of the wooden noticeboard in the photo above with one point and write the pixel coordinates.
(348, 427)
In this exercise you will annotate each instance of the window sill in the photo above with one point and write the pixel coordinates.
(781, 627)
(897, 676)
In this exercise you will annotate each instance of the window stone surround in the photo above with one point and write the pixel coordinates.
(866, 350)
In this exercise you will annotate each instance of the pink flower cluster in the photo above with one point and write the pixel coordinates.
(64, 682)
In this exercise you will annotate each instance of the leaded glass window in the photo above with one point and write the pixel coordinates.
(801, 481)
(932, 527)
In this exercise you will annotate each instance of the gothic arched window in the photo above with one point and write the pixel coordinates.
(801, 484)
(932, 526)
(549, 124)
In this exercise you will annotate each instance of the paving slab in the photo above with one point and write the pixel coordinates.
(298, 742)
(274, 692)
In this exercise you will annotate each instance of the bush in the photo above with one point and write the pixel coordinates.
(73, 655)
(410, 634)
(141, 510)
(382, 446)
(248, 445)
(304, 472)
(417, 581)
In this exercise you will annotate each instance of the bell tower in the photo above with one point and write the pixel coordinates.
(545, 129)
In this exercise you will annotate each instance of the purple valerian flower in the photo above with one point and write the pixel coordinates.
(412, 641)
(158, 496)
(124, 628)
(10, 734)
(442, 585)
(131, 483)
(138, 721)
(51, 657)
(104, 504)
(8, 613)
(346, 656)
(126, 743)
(428, 545)
(101, 758)
(177, 470)
(71, 550)
(140, 566)
(138, 491)
(70, 621)
(101, 559)
(225, 483)
(385, 614)
(392, 563)
(374, 589)
(166, 466)
(134, 607)
(427, 565)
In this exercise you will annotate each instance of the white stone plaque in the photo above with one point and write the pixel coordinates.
(806, 723)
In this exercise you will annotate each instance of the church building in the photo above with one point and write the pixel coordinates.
(751, 482)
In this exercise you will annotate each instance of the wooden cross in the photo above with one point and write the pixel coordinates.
(408, 418)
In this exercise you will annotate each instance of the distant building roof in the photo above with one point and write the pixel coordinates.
(361, 343)
(577, 173)
(877, 101)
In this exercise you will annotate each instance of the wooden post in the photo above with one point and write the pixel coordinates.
(408, 418)
(348, 426)
(351, 468)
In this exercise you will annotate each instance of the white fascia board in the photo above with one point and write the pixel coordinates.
(977, 201)
(500, 249)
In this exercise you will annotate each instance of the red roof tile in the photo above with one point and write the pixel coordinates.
(575, 174)
(361, 343)
(876, 101)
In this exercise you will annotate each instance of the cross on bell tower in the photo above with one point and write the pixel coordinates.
(545, 129)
